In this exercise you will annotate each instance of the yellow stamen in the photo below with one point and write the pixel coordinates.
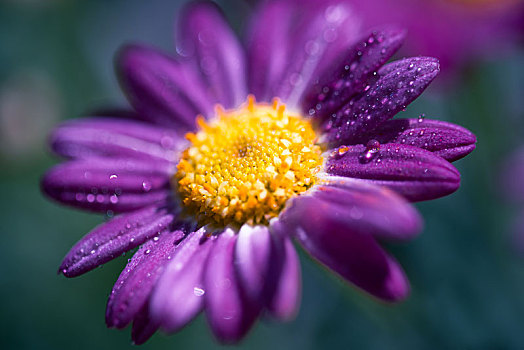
(243, 166)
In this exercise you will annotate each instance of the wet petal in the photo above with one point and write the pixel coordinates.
(318, 38)
(253, 256)
(161, 89)
(352, 73)
(444, 139)
(110, 240)
(346, 247)
(115, 138)
(179, 294)
(399, 83)
(414, 173)
(376, 210)
(205, 36)
(286, 298)
(228, 313)
(119, 185)
(132, 289)
(269, 47)
(143, 326)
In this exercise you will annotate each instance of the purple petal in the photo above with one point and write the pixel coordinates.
(254, 253)
(229, 315)
(346, 247)
(112, 239)
(206, 38)
(132, 289)
(179, 294)
(286, 299)
(99, 185)
(399, 83)
(115, 138)
(414, 173)
(143, 326)
(350, 76)
(376, 210)
(269, 47)
(318, 38)
(446, 140)
(161, 89)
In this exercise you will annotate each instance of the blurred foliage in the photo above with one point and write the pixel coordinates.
(468, 285)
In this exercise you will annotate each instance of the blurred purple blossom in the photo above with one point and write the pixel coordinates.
(454, 31)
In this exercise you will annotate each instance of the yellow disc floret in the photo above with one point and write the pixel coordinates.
(245, 164)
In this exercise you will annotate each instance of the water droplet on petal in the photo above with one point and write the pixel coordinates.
(421, 118)
(371, 151)
(342, 150)
(198, 291)
(146, 186)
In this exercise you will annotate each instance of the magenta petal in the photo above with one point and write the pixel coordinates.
(143, 326)
(108, 184)
(348, 77)
(346, 246)
(160, 89)
(179, 294)
(269, 47)
(444, 139)
(115, 138)
(399, 83)
(286, 299)
(253, 256)
(325, 31)
(228, 313)
(111, 239)
(132, 289)
(414, 173)
(374, 209)
(205, 36)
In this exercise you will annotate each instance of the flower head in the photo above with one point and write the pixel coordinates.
(212, 183)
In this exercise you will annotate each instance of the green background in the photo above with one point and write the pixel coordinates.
(467, 278)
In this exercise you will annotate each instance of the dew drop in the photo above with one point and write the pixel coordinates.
(167, 142)
(421, 117)
(342, 150)
(372, 149)
(113, 199)
(100, 198)
(198, 291)
(146, 186)
(312, 48)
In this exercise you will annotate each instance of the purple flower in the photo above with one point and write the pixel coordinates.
(454, 31)
(213, 206)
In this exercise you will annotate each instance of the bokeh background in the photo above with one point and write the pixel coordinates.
(467, 277)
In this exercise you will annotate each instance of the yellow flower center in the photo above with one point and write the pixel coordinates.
(245, 164)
